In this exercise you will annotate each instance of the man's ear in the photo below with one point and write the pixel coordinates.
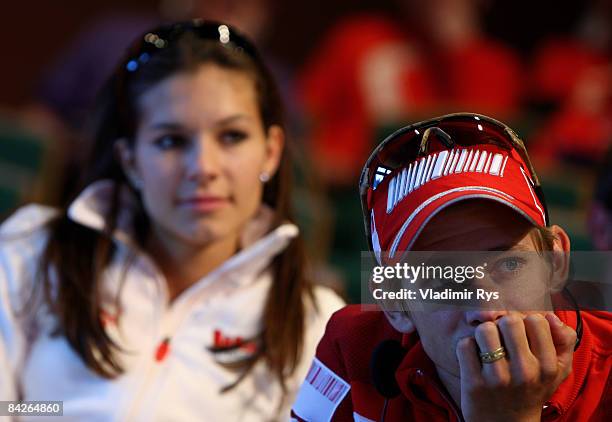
(275, 143)
(400, 320)
(125, 155)
(560, 258)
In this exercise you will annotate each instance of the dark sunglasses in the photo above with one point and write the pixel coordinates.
(407, 144)
(161, 37)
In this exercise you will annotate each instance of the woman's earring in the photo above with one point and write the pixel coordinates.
(264, 177)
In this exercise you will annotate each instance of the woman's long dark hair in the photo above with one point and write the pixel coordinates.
(76, 256)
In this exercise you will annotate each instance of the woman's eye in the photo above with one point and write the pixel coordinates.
(170, 141)
(233, 136)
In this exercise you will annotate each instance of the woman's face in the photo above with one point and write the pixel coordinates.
(199, 151)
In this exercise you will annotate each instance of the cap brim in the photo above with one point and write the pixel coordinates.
(416, 222)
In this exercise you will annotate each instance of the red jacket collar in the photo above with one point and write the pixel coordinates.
(567, 392)
(418, 380)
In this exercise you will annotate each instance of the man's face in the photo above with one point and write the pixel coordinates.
(522, 276)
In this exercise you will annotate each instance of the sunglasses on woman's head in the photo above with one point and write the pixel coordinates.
(159, 38)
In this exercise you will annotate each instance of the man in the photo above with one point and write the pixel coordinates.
(464, 183)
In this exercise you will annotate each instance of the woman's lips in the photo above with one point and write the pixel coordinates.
(204, 203)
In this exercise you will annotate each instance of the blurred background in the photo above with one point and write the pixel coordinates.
(351, 71)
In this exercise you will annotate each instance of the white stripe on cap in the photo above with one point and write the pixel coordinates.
(420, 166)
(408, 174)
(439, 167)
(496, 164)
(468, 161)
(375, 241)
(440, 164)
(398, 188)
(400, 191)
(481, 163)
(412, 177)
(425, 170)
(455, 159)
(449, 162)
(390, 195)
(431, 167)
(475, 160)
(530, 185)
(501, 174)
(486, 167)
(461, 161)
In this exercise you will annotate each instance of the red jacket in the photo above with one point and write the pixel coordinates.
(338, 386)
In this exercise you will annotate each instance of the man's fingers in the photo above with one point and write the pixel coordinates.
(488, 340)
(564, 339)
(541, 344)
(469, 364)
(523, 364)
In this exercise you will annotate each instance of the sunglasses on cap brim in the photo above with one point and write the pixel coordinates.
(409, 143)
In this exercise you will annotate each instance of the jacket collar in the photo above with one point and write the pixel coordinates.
(91, 207)
(568, 391)
(418, 380)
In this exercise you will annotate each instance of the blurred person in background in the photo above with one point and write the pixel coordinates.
(173, 287)
(599, 221)
(364, 74)
(471, 70)
(372, 71)
(571, 77)
(600, 210)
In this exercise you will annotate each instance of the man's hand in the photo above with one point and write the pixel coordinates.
(539, 353)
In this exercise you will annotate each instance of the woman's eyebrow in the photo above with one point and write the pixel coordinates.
(231, 119)
(166, 126)
(177, 126)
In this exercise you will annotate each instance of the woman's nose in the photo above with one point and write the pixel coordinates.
(203, 160)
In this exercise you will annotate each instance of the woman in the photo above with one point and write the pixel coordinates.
(173, 285)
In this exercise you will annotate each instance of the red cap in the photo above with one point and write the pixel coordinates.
(408, 197)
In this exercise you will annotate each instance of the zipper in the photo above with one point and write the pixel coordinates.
(136, 404)
(153, 358)
(170, 318)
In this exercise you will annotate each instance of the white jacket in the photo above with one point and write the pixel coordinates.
(184, 384)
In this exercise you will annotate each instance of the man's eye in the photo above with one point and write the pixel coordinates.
(509, 266)
(233, 136)
(442, 283)
(170, 141)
